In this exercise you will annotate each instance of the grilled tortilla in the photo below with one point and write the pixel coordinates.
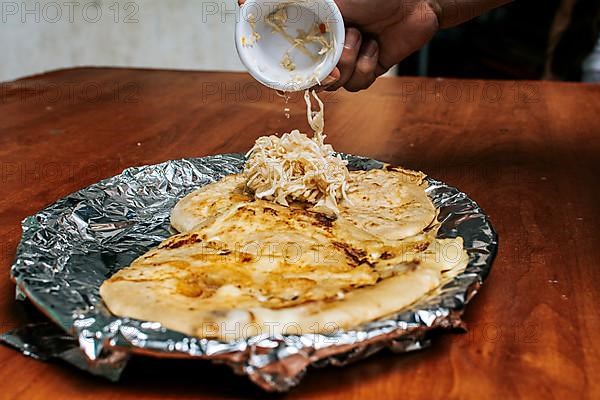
(389, 203)
(244, 267)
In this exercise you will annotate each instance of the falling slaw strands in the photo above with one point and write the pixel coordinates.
(294, 167)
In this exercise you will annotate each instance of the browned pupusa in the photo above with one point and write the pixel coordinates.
(390, 202)
(247, 267)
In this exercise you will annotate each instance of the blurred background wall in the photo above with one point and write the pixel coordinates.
(527, 39)
(36, 36)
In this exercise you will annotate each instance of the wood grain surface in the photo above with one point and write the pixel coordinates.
(528, 152)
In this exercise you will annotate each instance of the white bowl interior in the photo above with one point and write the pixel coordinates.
(263, 58)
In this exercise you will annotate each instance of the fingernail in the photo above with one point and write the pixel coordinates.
(352, 37)
(328, 81)
(370, 49)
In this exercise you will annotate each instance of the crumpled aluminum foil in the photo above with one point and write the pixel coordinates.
(71, 247)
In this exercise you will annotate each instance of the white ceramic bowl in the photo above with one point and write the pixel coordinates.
(263, 58)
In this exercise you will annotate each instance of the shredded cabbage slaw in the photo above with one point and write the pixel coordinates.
(294, 167)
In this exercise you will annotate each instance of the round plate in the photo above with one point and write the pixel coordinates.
(69, 249)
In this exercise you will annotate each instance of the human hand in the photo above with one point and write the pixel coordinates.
(380, 34)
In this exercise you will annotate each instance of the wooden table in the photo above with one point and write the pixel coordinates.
(529, 153)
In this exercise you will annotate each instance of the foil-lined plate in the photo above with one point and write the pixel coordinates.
(69, 249)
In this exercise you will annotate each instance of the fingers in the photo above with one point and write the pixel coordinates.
(333, 77)
(348, 59)
(366, 68)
